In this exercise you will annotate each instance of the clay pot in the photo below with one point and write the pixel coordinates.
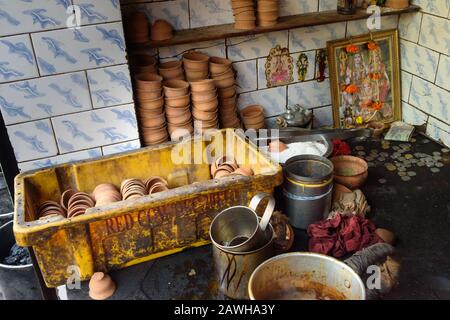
(207, 105)
(227, 92)
(143, 63)
(176, 112)
(132, 189)
(202, 86)
(137, 27)
(204, 115)
(397, 4)
(224, 75)
(171, 70)
(180, 119)
(277, 146)
(152, 121)
(78, 204)
(195, 61)
(350, 171)
(256, 126)
(148, 94)
(148, 82)
(218, 65)
(157, 187)
(153, 180)
(148, 113)
(106, 193)
(339, 190)
(194, 75)
(65, 197)
(253, 117)
(50, 208)
(231, 101)
(234, 123)
(378, 128)
(386, 235)
(101, 286)
(225, 82)
(152, 104)
(161, 30)
(245, 25)
(204, 95)
(248, 172)
(175, 88)
(178, 102)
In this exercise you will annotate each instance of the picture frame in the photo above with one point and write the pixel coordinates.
(365, 79)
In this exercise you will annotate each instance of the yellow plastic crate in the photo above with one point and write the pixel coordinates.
(133, 231)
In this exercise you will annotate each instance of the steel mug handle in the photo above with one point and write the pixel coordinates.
(267, 212)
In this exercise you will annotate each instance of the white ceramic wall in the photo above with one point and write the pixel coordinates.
(425, 61)
(65, 94)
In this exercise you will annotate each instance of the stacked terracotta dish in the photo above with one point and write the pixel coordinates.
(225, 166)
(150, 112)
(106, 193)
(78, 203)
(156, 184)
(143, 63)
(222, 72)
(172, 70)
(50, 209)
(132, 189)
(267, 12)
(244, 14)
(253, 117)
(137, 28)
(196, 66)
(161, 30)
(177, 102)
(204, 105)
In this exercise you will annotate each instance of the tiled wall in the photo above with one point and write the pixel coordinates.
(425, 48)
(65, 94)
(420, 51)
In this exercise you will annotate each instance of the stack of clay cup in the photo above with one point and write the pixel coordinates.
(244, 14)
(196, 66)
(137, 28)
(50, 209)
(267, 11)
(150, 108)
(132, 189)
(204, 105)
(78, 203)
(143, 63)
(161, 30)
(106, 193)
(253, 117)
(172, 70)
(222, 73)
(156, 184)
(225, 166)
(177, 106)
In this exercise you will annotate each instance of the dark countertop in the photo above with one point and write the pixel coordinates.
(417, 211)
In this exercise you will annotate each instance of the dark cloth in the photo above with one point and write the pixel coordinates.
(342, 235)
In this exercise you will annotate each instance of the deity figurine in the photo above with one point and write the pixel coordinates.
(302, 66)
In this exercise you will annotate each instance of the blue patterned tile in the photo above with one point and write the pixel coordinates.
(210, 12)
(436, 7)
(310, 94)
(439, 131)
(273, 100)
(409, 26)
(359, 27)
(289, 8)
(98, 11)
(418, 60)
(435, 34)
(255, 46)
(97, 46)
(110, 86)
(121, 147)
(443, 73)
(97, 128)
(323, 117)
(412, 115)
(406, 80)
(326, 5)
(246, 76)
(32, 140)
(315, 37)
(16, 59)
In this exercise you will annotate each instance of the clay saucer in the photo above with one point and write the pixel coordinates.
(65, 197)
(101, 286)
(158, 187)
(244, 171)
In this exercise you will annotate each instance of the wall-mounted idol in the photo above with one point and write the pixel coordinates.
(279, 67)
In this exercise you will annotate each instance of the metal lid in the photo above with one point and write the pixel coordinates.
(309, 168)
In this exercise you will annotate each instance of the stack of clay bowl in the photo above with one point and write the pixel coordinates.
(137, 28)
(50, 209)
(143, 63)
(267, 12)
(221, 71)
(224, 166)
(204, 105)
(78, 204)
(161, 30)
(106, 193)
(156, 184)
(244, 14)
(177, 102)
(172, 70)
(253, 117)
(150, 111)
(132, 189)
(196, 66)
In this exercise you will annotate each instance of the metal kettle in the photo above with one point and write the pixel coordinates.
(296, 116)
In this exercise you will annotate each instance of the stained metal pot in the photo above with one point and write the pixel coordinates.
(292, 276)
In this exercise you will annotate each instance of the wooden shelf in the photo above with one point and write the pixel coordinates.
(297, 21)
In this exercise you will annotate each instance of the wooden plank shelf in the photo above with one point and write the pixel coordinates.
(297, 21)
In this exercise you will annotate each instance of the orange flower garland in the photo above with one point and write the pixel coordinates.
(372, 45)
(375, 76)
(377, 105)
(351, 48)
(351, 89)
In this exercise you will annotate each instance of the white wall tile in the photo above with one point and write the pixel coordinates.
(95, 128)
(412, 115)
(435, 34)
(289, 8)
(406, 81)
(21, 16)
(102, 11)
(32, 140)
(72, 50)
(44, 97)
(246, 76)
(211, 48)
(121, 147)
(273, 100)
(210, 12)
(359, 27)
(443, 74)
(326, 5)
(110, 86)
(409, 26)
(310, 94)
(323, 117)
(17, 60)
(315, 37)
(439, 131)
(256, 46)
(436, 7)
(419, 60)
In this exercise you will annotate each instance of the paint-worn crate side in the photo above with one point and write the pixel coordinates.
(133, 231)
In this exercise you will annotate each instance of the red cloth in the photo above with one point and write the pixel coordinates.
(340, 148)
(342, 235)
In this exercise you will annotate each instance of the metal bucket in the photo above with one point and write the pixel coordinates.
(237, 229)
(305, 276)
(16, 282)
(307, 189)
(233, 269)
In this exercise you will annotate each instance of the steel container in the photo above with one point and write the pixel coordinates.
(307, 189)
(292, 276)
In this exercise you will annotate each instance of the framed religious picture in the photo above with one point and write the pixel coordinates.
(365, 79)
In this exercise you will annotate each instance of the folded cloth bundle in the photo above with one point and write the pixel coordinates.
(348, 204)
(342, 235)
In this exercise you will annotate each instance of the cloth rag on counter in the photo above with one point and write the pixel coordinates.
(342, 235)
(348, 204)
